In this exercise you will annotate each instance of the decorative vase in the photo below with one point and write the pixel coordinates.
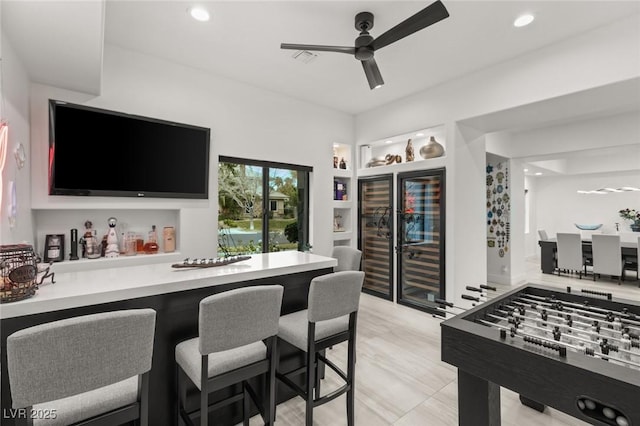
(635, 226)
(432, 149)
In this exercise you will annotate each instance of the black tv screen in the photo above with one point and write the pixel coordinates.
(106, 153)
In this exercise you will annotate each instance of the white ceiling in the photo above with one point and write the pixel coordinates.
(242, 41)
(61, 44)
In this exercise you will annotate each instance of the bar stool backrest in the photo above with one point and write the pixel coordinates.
(348, 258)
(239, 317)
(334, 295)
(63, 358)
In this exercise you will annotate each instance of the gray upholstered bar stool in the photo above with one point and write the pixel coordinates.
(237, 338)
(348, 258)
(89, 370)
(330, 319)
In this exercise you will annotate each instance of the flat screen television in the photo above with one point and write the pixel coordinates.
(95, 152)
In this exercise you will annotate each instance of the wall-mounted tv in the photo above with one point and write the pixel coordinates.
(95, 152)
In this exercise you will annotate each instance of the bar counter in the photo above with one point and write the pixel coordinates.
(174, 294)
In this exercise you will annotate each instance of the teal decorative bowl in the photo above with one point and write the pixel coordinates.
(588, 227)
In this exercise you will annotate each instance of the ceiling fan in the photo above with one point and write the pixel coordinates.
(366, 45)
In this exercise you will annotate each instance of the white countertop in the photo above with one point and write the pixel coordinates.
(83, 288)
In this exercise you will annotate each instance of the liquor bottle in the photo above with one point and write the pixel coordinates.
(151, 247)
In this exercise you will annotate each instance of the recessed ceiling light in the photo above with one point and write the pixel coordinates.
(523, 20)
(419, 134)
(538, 173)
(526, 170)
(199, 13)
(388, 142)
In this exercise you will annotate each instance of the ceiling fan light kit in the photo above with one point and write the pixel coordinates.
(366, 45)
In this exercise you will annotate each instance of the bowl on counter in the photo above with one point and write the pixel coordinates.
(588, 227)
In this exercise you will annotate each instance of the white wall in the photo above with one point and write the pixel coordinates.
(558, 205)
(594, 59)
(245, 122)
(15, 109)
(531, 248)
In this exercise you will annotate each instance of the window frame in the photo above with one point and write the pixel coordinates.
(304, 175)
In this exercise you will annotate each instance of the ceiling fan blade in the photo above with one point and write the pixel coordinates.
(372, 72)
(431, 14)
(317, 48)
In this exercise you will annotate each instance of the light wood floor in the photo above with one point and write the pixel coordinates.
(400, 379)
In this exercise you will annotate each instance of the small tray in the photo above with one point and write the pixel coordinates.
(209, 263)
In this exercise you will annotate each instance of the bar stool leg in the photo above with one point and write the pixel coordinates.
(270, 414)
(351, 372)
(311, 357)
(246, 406)
(318, 375)
(204, 395)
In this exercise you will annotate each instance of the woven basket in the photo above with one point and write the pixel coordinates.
(18, 272)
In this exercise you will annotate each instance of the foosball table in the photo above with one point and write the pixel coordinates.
(575, 351)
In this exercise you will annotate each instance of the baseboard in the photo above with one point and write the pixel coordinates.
(507, 279)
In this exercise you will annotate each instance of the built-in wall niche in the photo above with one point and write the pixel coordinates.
(342, 156)
(394, 150)
(54, 221)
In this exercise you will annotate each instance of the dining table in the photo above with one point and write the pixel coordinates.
(548, 249)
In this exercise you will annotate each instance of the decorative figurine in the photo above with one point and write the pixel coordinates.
(343, 164)
(337, 223)
(335, 161)
(90, 245)
(409, 151)
(112, 249)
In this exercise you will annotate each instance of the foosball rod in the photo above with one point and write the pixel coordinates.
(593, 310)
(575, 321)
(586, 309)
(482, 289)
(565, 344)
(579, 311)
(444, 304)
(622, 342)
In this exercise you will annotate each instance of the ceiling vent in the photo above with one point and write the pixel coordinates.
(304, 56)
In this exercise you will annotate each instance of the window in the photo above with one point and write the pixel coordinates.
(263, 206)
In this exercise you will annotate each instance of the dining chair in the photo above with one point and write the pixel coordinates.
(632, 263)
(543, 235)
(88, 370)
(607, 256)
(570, 256)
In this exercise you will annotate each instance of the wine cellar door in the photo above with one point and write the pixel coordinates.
(375, 234)
(420, 238)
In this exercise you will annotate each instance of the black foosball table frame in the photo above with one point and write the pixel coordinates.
(492, 348)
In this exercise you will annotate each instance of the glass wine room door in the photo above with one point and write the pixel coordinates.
(375, 235)
(420, 237)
